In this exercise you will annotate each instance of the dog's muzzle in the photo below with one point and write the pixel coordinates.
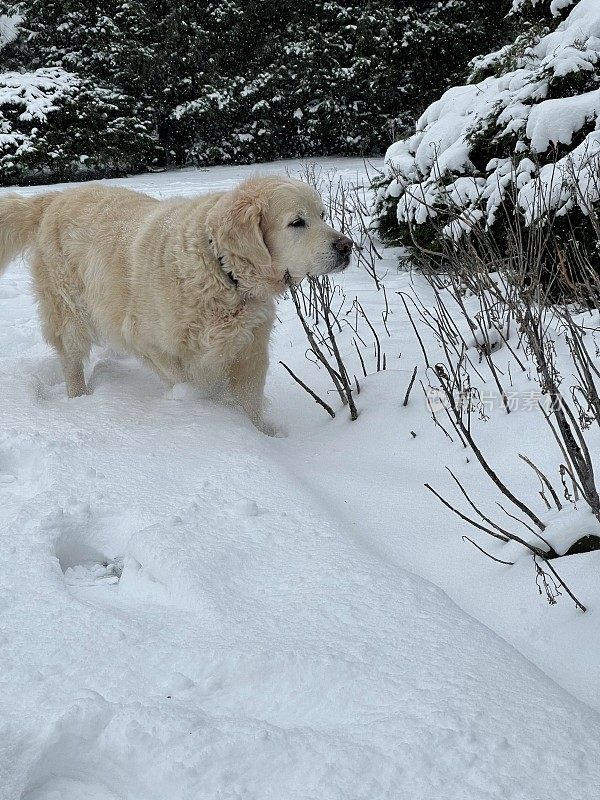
(343, 248)
(344, 245)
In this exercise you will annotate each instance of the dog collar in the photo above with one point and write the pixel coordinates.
(231, 277)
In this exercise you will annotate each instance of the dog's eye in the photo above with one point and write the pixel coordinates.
(298, 223)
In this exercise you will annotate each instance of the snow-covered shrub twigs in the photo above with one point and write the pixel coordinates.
(323, 346)
(510, 295)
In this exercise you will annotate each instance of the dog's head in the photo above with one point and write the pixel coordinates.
(272, 229)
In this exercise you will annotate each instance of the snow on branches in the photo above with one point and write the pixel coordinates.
(37, 93)
(9, 28)
(556, 6)
(55, 123)
(528, 124)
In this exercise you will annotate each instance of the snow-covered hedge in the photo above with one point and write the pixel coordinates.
(55, 125)
(334, 78)
(555, 7)
(526, 125)
(9, 28)
(232, 81)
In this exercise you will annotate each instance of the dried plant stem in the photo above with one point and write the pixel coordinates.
(462, 516)
(489, 555)
(535, 551)
(460, 426)
(345, 380)
(504, 535)
(577, 602)
(306, 388)
(410, 385)
(544, 480)
(318, 353)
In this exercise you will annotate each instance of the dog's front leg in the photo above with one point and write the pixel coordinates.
(168, 367)
(248, 374)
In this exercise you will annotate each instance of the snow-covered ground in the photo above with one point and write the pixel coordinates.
(190, 609)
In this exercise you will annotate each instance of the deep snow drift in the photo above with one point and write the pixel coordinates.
(192, 610)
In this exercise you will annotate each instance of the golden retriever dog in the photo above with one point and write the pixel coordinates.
(187, 285)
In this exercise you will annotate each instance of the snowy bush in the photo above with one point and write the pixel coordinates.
(525, 131)
(9, 28)
(54, 125)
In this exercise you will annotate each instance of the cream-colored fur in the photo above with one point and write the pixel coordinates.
(151, 277)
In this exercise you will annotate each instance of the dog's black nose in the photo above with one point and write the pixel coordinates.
(344, 245)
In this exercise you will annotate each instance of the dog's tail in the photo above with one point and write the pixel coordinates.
(19, 221)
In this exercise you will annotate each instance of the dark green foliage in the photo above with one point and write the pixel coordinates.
(86, 136)
(249, 80)
(534, 11)
(97, 126)
(334, 79)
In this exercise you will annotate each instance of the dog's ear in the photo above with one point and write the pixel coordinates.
(234, 225)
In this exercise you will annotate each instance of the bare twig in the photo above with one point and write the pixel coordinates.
(410, 385)
(543, 479)
(314, 395)
(485, 552)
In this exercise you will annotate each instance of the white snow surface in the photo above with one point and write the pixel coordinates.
(556, 6)
(190, 609)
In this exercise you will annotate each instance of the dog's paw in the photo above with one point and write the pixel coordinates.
(270, 428)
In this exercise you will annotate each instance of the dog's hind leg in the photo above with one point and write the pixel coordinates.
(73, 371)
(73, 347)
(65, 330)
